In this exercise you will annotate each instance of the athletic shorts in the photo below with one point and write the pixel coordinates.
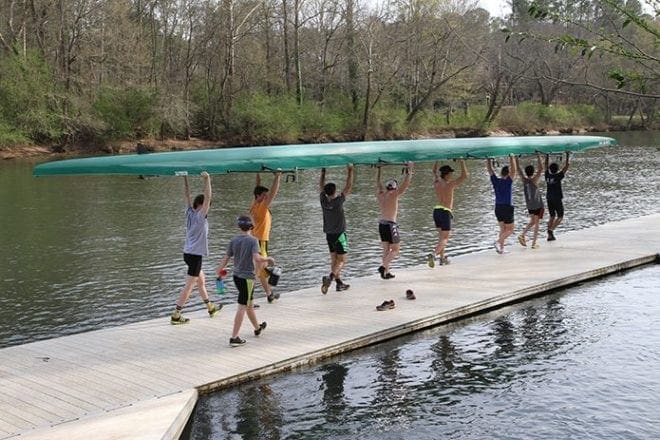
(539, 212)
(263, 251)
(337, 243)
(442, 219)
(556, 208)
(245, 289)
(389, 232)
(504, 213)
(194, 263)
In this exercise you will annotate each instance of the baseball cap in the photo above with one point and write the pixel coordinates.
(391, 184)
(245, 222)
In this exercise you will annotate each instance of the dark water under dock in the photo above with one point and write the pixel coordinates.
(580, 363)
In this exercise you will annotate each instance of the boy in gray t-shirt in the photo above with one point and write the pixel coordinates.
(244, 248)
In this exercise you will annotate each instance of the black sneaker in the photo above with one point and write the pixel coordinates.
(381, 271)
(386, 305)
(272, 297)
(325, 283)
(341, 286)
(235, 342)
(262, 326)
(551, 236)
(388, 276)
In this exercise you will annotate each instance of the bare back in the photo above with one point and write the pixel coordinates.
(444, 191)
(388, 201)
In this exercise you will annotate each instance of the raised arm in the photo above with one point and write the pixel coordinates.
(489, 166)
(464, 174)
(436, 167)
(379, 184)
(207, 193)
(565, 168)
(349, 179)
(258, 180)
(520, 172)
(512, 166)
(539, 169)
(275, 187)
(547, 161)
(322, 180)
(186, 191)
(406, 180)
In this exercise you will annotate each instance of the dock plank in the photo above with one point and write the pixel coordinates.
(76, 385)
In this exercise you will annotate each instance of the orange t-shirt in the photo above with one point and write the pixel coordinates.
(262, 220)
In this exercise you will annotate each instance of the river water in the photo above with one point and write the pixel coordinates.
(83, 253)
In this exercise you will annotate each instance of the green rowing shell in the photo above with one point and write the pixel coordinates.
(307, 156)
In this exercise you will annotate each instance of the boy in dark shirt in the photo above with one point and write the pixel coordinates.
(554, 194)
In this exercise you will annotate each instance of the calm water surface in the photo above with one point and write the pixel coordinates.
(82, 253)
(580, 364)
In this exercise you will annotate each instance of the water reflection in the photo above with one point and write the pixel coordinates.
(550, 368)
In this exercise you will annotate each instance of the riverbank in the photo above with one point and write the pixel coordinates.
(152, 145)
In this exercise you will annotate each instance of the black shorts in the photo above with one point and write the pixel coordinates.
(337, 243)
(389, 232)
(504, 213)
(245, 289)
(194, 263)
(539, 212)
(556, 208)
(442, 219)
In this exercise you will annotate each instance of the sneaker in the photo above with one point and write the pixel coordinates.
(272, 297)
(444, 261)
(342, 286)
(262, 326)
(381, 271)
(325, 283)
(536, 246)
(214, 309)
(522, 241)
(430, 260)
(255, 305)
(410, 294)
(235, 342)
(497, 247)
(551, 236)
(386, 305)
(178, 318)
(388, 276)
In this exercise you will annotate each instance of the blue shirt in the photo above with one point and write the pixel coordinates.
(197, 233)
(503, 190)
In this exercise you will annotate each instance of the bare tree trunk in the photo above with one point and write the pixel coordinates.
(285, 38)
(351, 54)
(296, 49)
(367, 95)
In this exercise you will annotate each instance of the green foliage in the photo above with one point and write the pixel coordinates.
(9, 136)
(29, 104)
(531, 117)
(127, 113)
(265, 119)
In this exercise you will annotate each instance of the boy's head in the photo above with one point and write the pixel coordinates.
(553, 168)
(199, 201)
(529, 170)
(391, 184)
(245, 223)
(259, 191)
(330, 189)
(505, 171)
(445, 170)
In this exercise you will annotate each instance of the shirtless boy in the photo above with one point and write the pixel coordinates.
(388, 201)
(444, 188)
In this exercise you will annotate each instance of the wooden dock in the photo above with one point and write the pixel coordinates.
(141, 380)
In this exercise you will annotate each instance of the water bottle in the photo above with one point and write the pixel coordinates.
(220, 283)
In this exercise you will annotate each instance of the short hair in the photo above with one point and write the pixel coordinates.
(199, 200)
(553, 168)
(529, 170)
(329, 189)
(505, 170)
(245, 222)
(258, 190)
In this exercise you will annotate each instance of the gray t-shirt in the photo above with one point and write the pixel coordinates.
(533, 198)
(197, 233)
(242, 248)
(334, 220)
